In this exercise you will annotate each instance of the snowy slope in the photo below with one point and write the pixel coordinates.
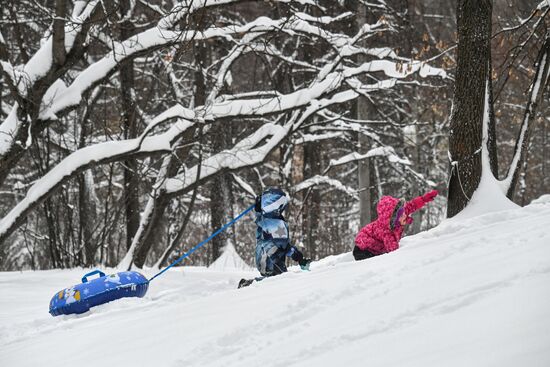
(468, 293)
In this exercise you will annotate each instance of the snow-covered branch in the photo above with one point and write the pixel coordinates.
(387, 152)
(324, 180)
(84, 159)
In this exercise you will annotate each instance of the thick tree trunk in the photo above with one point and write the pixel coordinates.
(473, 55)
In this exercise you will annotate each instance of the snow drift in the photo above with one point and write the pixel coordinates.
(468, 293)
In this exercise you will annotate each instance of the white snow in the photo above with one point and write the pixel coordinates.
(325, 180)
(544, 199)
(244, 154)
(388, 152)
(490, 194)
(229, 260)
(8, 129)
(466, 293)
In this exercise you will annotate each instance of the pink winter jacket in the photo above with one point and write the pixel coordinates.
(377, 237)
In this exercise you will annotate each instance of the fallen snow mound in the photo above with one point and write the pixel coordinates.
(229, 260)
(467, 293)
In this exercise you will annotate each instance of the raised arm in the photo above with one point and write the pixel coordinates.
(418, 202)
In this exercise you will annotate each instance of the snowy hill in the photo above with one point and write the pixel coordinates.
(468, 293)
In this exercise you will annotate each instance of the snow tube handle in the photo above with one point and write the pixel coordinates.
(97, 271)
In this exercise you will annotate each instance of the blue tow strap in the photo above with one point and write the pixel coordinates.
(203, 242)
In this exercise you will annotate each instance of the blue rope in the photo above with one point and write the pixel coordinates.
(203, 242)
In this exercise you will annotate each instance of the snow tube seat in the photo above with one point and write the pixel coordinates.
(81, 297)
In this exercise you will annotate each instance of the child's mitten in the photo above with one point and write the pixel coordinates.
(304, 264)
(430, 196)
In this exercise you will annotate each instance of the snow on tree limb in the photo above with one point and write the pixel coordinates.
(325, 180)
(146, 41)
(335, 83)
(83, 159)
(41, 62)
(8, 129)
(388, 152)
(244, 185)
(245, 153)
(161, 36)
(60, 98)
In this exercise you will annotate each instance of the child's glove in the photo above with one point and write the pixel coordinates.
(430, 196)
(304, 264)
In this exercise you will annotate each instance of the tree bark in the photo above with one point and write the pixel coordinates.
(465, 139)
(221, 211)
(87, 215)
(58, 45)
(129, 123)
(312, 211)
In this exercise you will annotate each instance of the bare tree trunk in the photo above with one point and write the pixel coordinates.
(473, 55)
(87, 215)
(366, 178)
(58, 45)
(53, 245)
(221, 210)
(312, 211)
(129, 122)
(535, 96)
(221, 191)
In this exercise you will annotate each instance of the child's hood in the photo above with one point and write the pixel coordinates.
(272, 203)
(385, 208)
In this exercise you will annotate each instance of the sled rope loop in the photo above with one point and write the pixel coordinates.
(204, 242)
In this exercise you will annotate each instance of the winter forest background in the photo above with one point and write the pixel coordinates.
(132, 129)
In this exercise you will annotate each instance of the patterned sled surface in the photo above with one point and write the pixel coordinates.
(81, 297)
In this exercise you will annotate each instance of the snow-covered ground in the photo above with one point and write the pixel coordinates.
(474, 292)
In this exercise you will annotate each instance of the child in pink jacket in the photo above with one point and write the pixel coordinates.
(384, 233)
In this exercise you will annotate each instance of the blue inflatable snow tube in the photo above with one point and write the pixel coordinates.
(81, 297)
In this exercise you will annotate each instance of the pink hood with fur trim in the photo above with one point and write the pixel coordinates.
(377, 237)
